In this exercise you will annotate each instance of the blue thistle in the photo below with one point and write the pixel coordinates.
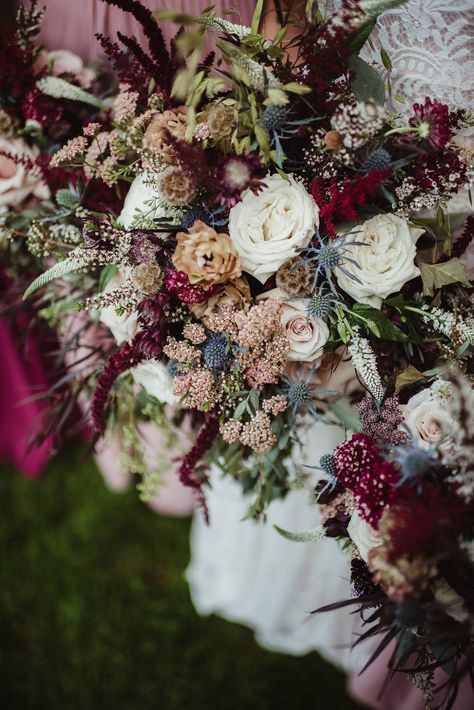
(326, 463)
(214, 352)
(325, 255)
(191, 215)
(275, 117)
(414, 462)
(173, 368)
(320, 304)
(301, 393)
(379, 159)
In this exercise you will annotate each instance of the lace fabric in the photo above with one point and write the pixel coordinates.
(431, 46)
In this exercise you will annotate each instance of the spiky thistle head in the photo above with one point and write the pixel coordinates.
(274, 117)
(214, 352)
(414, 462)
(320, 304)
(378, 159)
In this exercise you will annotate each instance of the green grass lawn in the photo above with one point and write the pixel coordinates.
(94, 611)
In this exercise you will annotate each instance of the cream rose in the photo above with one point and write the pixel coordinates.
(386, 259)
(428, 417)
(307, 336)
(16, 182)
(62, 61)
(269, 227)
(153, 376)
(363, 535)
(139, 201)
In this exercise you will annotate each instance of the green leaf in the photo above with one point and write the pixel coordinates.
(434, 276)
(294, 87)
(374, 8)
(360, 36)
(386, 61)
(310, 536)
(240, 409)
(57, 271)
(387, 329)
(346, 414)
(408, 377)
(257, 15)
(368, 84)
(107, 273)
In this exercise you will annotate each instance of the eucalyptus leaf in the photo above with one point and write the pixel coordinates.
(368, 85)
(387, 329)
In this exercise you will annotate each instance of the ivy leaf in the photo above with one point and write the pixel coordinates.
(434, 276)
(368, 84)
(310, 536)
(408, 377)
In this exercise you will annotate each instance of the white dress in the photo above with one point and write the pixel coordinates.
(244, 571)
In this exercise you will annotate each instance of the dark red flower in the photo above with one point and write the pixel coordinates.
(432, 122)
(236, 174)
(177, 283)
(37, 106)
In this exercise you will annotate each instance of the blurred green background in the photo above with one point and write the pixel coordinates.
(95, 613)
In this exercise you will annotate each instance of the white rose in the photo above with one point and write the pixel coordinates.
(307, 336)
(363, 535)
(386, 259)
(16, 183)
(153, 376)
(140, 192)
(429, 418)
(62, 61)
(269, 227)
(123, 327)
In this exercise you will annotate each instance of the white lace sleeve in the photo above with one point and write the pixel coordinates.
(431, 46)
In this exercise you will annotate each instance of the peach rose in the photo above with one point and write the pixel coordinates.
(206, 257)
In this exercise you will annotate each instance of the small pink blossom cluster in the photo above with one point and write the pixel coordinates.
(264, 345)
(256, 434)
(198, 389)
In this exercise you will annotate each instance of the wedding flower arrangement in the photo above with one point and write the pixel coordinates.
(270, 254)
(241, 243)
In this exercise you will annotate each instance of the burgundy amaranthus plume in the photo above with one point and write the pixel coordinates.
(338, 204)
(165, 67)
(187, 472)
(464, 240)
(123, 359)
(147, 343)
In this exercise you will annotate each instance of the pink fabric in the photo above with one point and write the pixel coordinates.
(72, 25)
(400, 693)
(21, 376)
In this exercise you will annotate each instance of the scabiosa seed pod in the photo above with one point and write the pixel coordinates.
(274, 117)
(295, 277)
(214, 351)
(379, 159)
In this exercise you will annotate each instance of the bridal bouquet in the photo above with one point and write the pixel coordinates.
(271, 247)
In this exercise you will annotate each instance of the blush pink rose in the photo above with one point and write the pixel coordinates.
(62, 61)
